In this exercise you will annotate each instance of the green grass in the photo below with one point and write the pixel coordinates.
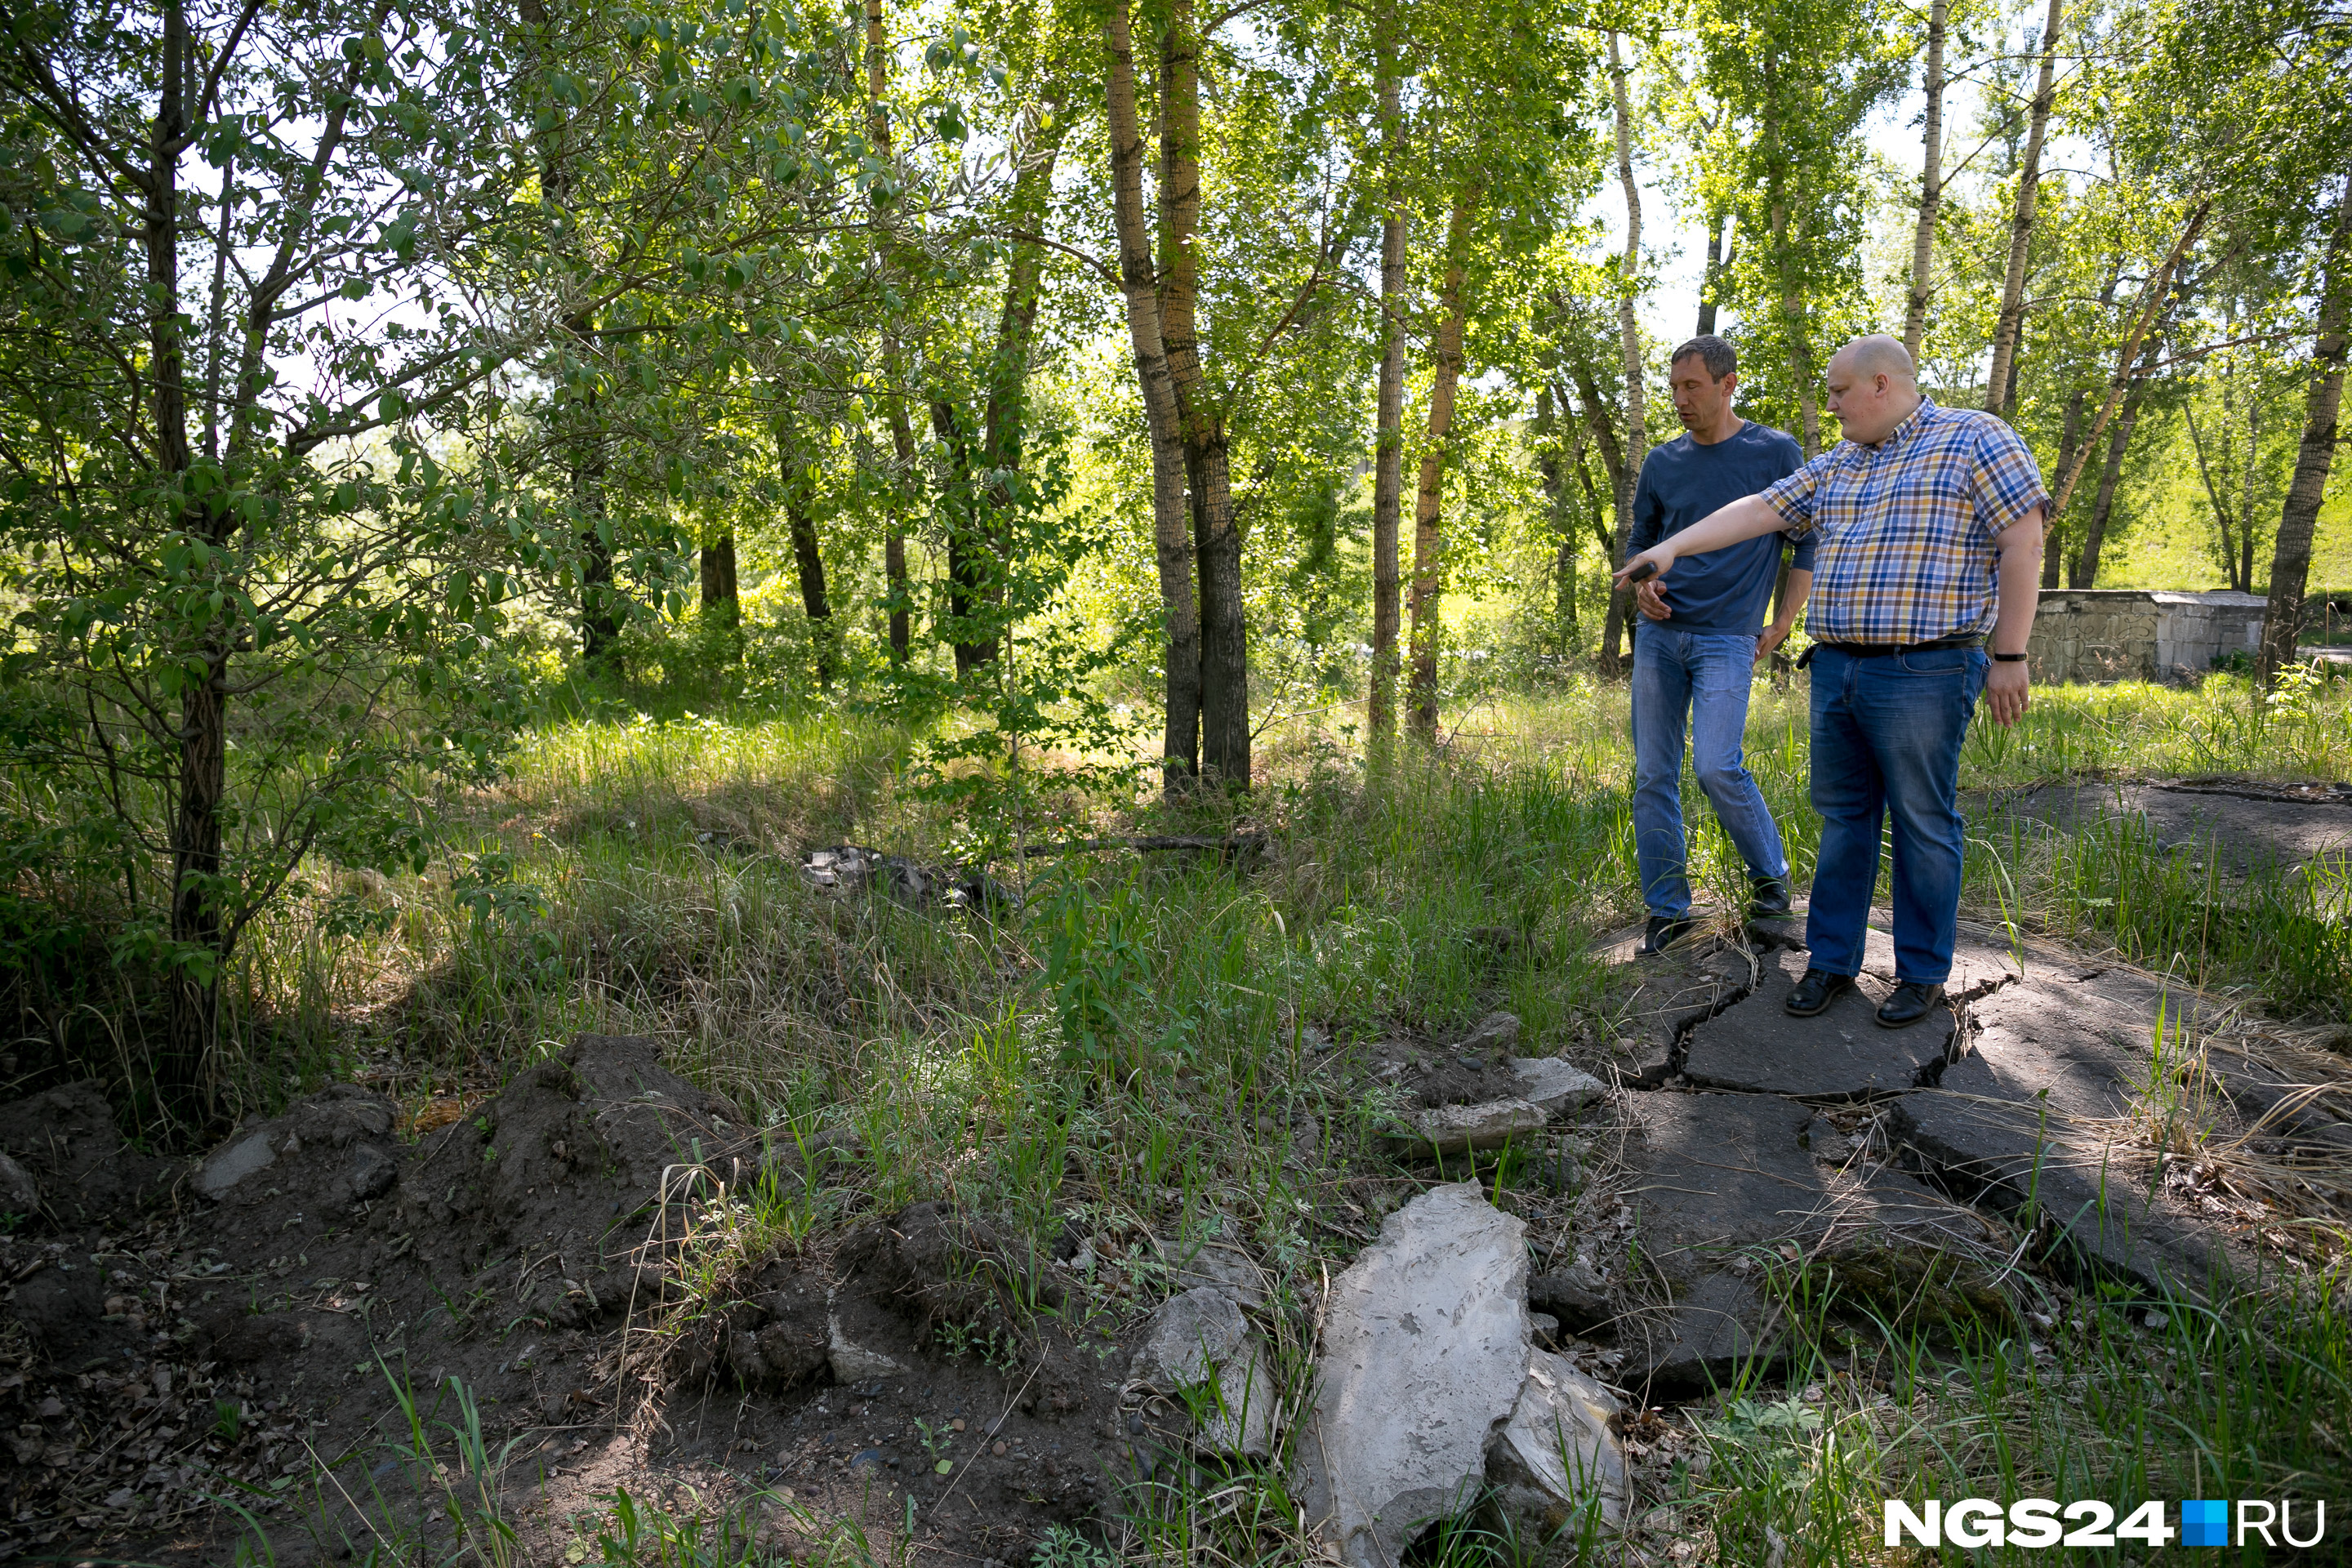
(1135, 1048)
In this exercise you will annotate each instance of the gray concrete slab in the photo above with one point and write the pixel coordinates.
(1754, 1046)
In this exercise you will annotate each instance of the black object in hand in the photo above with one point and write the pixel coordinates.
(1643, 572)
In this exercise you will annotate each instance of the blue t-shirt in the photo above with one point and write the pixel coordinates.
(1726, 591)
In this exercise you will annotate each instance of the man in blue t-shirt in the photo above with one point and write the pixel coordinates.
(1705, 633)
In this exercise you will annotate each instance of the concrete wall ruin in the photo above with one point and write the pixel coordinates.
(2138, 633)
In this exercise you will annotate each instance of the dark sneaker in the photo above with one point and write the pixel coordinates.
(1910, 1003)
(1816, 991)
(1663, 932)
(1768, 899)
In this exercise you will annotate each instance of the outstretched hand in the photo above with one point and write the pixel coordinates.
(1660, 558)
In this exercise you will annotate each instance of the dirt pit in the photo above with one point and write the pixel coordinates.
(568, 1256)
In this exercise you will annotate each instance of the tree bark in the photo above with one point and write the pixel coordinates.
(1171, 524)
(2000, 383)
(2315, 454)
(1388, 455)
(807, 558)
(2224, 526)
(2085, 573)
(1553, 466)
(2052, 537)
(1004, 421)
(183, 1074)
(1621, 494)
(1801, 342)
(969, 573)
(1428, 542)
(719, 591)
(902, 433)
(1931, 185)
(1217, 542)
(1719, 262)
(1628, 334)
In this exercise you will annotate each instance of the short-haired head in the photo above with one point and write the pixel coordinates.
(1719, 357)
(1876, 354)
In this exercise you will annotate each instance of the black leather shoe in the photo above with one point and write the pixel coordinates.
(1816, 991)
(1663, 932)
(1910, 1003)
(1768, 900)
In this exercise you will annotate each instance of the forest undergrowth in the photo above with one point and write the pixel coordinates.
(1135, 1043)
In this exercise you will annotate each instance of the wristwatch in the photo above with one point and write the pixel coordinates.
(2010, 658)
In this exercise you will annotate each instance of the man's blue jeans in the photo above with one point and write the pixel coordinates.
(1886, 741)
(1701, 677)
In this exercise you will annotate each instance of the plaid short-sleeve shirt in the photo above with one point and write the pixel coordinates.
(1905, 530)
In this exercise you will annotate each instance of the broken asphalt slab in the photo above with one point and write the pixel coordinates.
(1755, 1046)
(1718, 1181)
(2039, 1119)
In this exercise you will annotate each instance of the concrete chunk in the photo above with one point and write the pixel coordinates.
(1458, 1129)
(1554, 1086)
(1199, 1340)
(220, 1174)
(1714, 1177)
(1424, 1351)
(1557, 1461)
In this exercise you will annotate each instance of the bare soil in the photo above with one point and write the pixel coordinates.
(161, 1355)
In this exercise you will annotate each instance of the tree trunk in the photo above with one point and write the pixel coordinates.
(1003, 425)
(1628, 334)
(1171, 519)
(1553, 466)
(2095, 532)
(718, 593)
(1224, 642)
(1999, 384)
(1719, 262)
(1388, 455)
(1428, 544)
(902, 433)
(807, 558)
(2224, 529)
(182, 1075)
(2052, 537)
(2245, 574)
(1621, 494)
(1800, 343)
(1931, 185)
(2315, 455)
(969, 573)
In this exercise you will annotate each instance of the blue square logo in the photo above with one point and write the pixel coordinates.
(2205, 1523)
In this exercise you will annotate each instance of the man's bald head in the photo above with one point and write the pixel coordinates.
(1873, 387)
(1875, 353)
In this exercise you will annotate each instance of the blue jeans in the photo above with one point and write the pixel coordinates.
(1702, 677)
(1886, 741)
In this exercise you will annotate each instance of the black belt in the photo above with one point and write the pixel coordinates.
(1889, 650)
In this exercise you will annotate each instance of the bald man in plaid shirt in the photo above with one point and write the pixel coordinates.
(1927, 525)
